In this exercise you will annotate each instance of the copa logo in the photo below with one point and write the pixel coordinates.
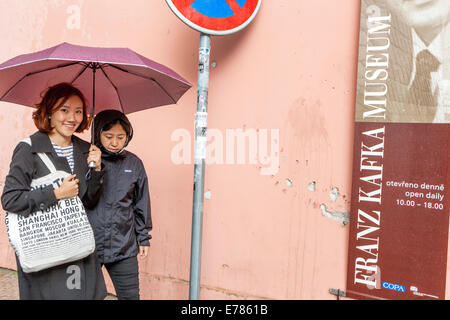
(393, 286)
(218, 8)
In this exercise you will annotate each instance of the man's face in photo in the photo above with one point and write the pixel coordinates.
(425, 15)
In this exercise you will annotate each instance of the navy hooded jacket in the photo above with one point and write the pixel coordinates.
(121, 220)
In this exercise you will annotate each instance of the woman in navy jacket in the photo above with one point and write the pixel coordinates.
(121, 219)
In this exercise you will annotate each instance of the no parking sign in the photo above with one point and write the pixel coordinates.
(215, 17)
(210, 17)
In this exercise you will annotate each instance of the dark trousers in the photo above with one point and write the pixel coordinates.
(125, 277)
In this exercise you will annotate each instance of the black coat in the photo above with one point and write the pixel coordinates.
(17, 197)
(122, 220)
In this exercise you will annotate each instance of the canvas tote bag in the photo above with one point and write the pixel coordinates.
(60, 234)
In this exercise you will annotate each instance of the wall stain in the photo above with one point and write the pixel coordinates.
(342, 217)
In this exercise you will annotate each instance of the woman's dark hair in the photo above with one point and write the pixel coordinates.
(48, 105)
(111, 124)
(105, 120)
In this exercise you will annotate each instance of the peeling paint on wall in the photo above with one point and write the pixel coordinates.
(289, 182)
(334, 194)
(312, 186)
(342, 217)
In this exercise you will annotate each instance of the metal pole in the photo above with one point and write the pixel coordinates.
(199, 164)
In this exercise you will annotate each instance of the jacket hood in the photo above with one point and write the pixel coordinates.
(104, 118)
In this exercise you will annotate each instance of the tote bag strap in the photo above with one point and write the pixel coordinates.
(44, 157)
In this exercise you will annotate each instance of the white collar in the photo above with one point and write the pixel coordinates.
(436, 47)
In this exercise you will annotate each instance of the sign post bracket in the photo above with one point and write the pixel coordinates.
(338, 293)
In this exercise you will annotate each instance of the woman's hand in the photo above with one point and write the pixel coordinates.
(95, 155)
(68, 188)
(143, 251)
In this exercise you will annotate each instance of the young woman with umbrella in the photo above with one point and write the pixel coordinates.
(60, 114)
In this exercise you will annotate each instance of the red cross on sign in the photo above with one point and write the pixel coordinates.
(215, 17)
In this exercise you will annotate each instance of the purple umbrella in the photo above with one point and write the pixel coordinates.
(110, 78)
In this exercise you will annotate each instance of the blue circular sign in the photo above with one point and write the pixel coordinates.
(216, 17)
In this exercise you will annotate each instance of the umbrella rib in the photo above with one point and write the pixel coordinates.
(115, 88)
(52, 68)
(33, 73)
(148, 78)
(79, 74)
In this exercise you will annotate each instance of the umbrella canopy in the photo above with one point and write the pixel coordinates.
(110, 78)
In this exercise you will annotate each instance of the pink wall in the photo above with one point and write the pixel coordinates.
(293, 69)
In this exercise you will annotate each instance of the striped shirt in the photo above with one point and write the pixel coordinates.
(66, 152)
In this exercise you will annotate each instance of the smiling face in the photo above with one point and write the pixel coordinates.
(66, 119)
(114, 139)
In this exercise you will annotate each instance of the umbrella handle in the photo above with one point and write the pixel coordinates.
(92, 163)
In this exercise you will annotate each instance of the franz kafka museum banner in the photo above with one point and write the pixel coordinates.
(399, 221)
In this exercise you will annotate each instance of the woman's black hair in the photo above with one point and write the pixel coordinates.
(111, 124)
(104, 121)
